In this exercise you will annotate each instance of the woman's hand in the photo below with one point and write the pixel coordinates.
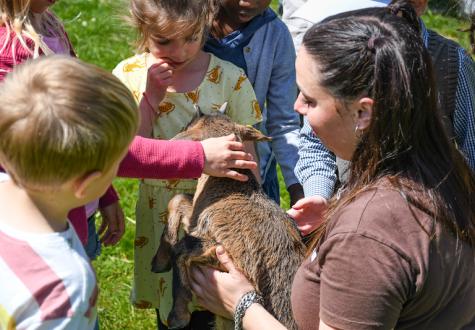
(217, 291)
(308, 213)
(224, 154)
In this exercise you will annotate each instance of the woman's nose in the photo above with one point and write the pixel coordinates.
(299, 108)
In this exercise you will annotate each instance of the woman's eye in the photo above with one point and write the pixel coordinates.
(305, 101)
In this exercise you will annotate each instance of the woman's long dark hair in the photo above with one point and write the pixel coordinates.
(378, 52)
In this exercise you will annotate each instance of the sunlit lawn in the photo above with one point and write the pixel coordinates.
(99, 36)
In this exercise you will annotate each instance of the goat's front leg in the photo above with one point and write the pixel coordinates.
(179, 211)
(179, 316)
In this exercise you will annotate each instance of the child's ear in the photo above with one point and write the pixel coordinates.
(249, 133)
(82, 183)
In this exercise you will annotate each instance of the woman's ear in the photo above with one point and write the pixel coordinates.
(82, 184)
(364, 112)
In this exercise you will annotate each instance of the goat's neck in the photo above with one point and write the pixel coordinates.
(219, 187)
(200, 185)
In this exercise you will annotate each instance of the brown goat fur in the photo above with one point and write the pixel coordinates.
(260, 237)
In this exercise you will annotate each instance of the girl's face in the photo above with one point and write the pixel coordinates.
(39, 6)
(177, 52)
(244, 10)
(333, 123)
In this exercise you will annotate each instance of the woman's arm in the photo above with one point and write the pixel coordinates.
(257, 318)
(220, 292)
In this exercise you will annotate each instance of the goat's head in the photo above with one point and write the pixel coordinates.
(216, 125)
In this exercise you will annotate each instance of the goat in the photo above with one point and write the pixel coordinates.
(260, 237)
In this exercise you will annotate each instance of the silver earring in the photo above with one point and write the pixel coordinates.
(357, 128)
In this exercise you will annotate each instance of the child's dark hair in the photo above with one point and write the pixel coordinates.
(378, 53)
(157, 16)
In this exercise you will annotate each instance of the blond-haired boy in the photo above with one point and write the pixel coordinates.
(64, 128)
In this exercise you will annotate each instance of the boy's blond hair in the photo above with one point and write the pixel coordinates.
(17, 17)
(152, 17)
(61, 118)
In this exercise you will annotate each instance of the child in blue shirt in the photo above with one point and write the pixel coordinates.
(250, 35)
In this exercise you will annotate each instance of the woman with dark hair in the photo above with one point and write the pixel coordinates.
(397, 248)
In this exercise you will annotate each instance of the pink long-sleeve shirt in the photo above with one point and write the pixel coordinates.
(151, 159)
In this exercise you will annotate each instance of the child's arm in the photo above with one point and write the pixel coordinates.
(159, 77)
(283, 123)
(78, 219)
(161, 159)
(147, 117)
(113, 224)
(316, 167)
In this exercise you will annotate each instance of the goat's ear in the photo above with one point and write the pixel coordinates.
(249, 133)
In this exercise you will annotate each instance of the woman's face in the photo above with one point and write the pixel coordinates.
(332, 122)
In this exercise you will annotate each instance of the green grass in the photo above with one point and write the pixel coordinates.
(100, 37)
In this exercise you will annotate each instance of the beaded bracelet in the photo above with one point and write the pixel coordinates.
(244, 303)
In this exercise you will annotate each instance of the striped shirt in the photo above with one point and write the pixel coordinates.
(46, 281)
(316, 166)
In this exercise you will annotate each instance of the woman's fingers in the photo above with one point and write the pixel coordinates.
(224, 259)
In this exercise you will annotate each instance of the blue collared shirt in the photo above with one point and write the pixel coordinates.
(316, 165)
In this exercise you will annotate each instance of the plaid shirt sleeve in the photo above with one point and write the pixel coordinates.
(316, 167)
(464, 114)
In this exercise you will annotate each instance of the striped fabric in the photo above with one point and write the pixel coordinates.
(46, 281)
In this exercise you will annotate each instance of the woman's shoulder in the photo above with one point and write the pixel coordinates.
(381, 212)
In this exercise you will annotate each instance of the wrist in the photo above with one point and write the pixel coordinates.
(150, 104)
(245, 302)
(252, 314)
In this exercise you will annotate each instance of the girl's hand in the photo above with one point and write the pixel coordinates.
(113, 224)
(224, 154)
(219, 292)
(159, 77)
(308, 213)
